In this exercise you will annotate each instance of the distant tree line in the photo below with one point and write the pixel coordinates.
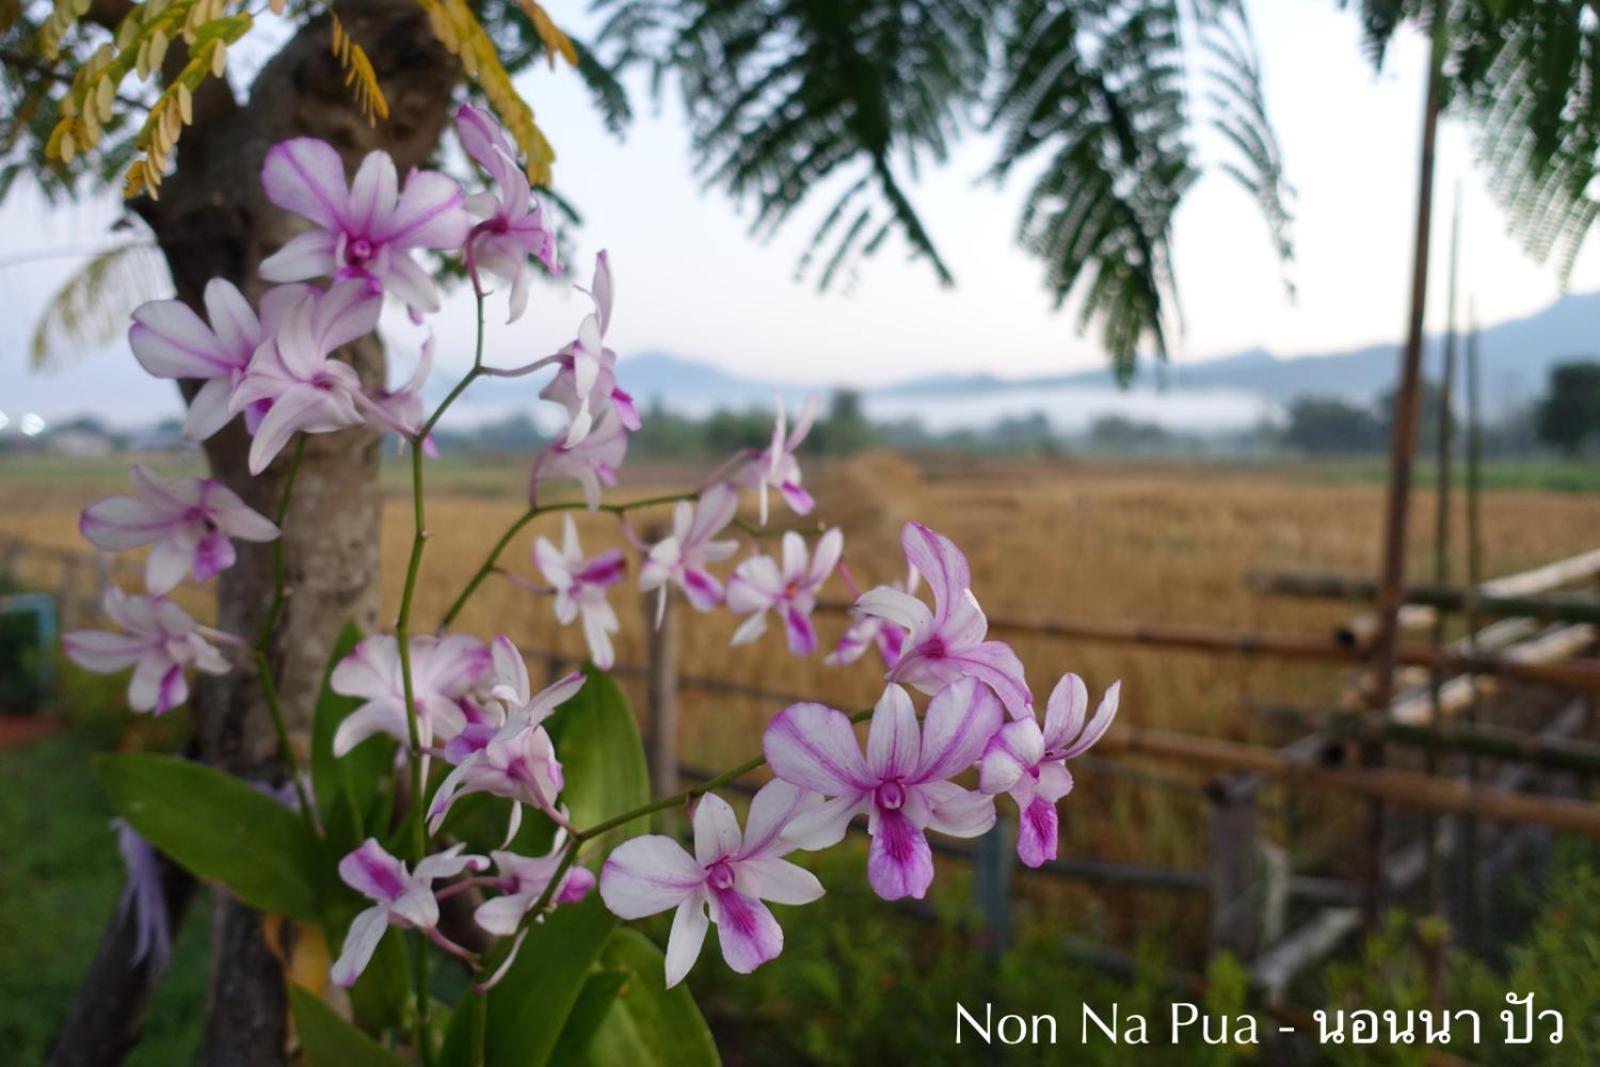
(1566, 420)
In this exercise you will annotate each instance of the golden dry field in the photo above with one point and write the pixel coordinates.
(1158, 544)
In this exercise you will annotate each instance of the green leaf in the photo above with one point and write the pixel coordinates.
(599, 993)
(531, 1005)
(349, 789)
(647, 1024)
(330, 1041)
(602, 757)
(219, 827)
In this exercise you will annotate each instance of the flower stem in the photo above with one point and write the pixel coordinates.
(402, 636)
(493, 559)
(269, 626)
(590, 833)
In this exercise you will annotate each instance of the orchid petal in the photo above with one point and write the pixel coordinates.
(815, 747)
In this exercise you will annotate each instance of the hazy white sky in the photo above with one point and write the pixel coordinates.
(690, 280)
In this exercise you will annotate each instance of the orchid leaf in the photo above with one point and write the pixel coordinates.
(594, 1004)
(647, 1024)
(531, 1005)
(602, 757)
(218, 827)
(329, 1041)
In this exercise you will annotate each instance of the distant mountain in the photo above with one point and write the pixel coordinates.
(1517, 356)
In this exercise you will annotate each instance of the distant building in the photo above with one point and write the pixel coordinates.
(82, 443)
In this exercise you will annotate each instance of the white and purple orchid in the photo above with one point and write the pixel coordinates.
(760, 585)
(592, 462)
(159, 641)
(401, 897)
(444, 671)
(902, 783)
(523, 880)
(518, 761)
(868, 630)
(187, 522)
(512, 225)
(580, 585)
(307, 390)
(775, 467)
(366, 229)
(170, 341)
(585, 382)
(948, 642)
(1031, 764)
(730, 874)
(682, 556)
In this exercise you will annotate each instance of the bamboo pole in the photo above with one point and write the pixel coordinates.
(1359, 631)
(1550, 607)
(1466, 899)
(1543, 749)
(1445, 429)
(1554, 645)
(1402, 444)
(1406, 789)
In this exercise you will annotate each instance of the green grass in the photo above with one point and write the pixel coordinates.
(1549, 475)
(59, 883)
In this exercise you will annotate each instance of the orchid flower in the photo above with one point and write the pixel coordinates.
(775, 465)
(443, 671)
(160, 641)
(524, 880)
(730, 874)
(365, 230)
(401, 409)
(1031, 764)
(902, 783)
(946, 643)
(580, 586)
(513, 225)
(518, 762)
(868, 630)
(592, 462)
(683, 555)
(401, 898)
(759, 585)
(170, 341)
(144, 897)
(586, 381)
(186, 521)
(309, 391)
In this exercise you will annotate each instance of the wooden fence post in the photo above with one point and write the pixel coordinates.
(661, 683)
(1236, 897)
(68, 596)
(99, 580)
(991, 878)
(8, 564)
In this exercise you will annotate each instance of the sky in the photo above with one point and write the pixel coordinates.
(690, 279)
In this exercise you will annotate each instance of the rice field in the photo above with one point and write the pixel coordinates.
(1158, 544)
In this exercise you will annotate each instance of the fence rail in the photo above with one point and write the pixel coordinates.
(1249, 883)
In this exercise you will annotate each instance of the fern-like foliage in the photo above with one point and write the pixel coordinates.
(359, 77)
(791, 96)
(1526, 75)
(91, 308)
(785, 96)
(1103, 92)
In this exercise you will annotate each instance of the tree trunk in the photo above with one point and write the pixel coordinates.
(213, 221)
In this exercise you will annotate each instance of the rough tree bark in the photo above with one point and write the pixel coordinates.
(213, 221)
